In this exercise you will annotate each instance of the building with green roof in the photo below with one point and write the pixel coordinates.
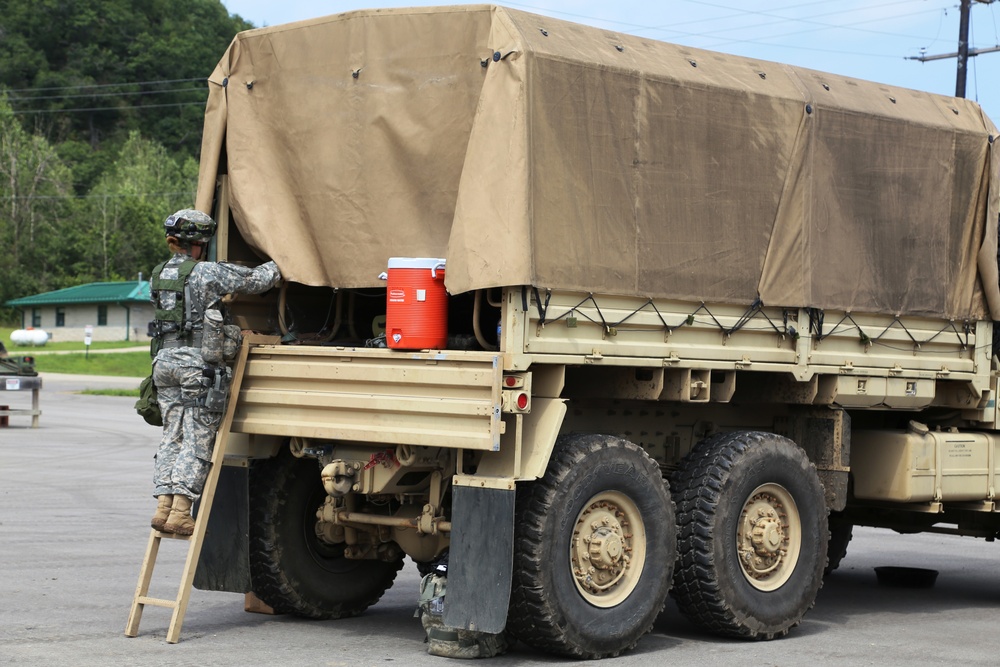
(116, 311)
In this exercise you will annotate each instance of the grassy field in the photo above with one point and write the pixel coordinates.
(65, 345)
(125, 364)
(111, 392)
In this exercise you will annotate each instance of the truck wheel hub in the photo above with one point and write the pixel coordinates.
(769, 537)
(607, 549)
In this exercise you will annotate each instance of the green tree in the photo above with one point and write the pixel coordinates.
(91, 70)
(100, 127)
(34, 185)
(126, 209)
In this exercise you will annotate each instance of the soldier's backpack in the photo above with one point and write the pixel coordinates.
(148, 406)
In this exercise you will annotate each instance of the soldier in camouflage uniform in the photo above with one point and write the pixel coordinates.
(183, 290)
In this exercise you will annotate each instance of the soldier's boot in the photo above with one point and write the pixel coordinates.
(163, 504)
(180, 522)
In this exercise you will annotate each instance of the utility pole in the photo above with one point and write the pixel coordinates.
(964, 52)
(963, 48)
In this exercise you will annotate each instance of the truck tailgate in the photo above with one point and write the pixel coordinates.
(443, 399)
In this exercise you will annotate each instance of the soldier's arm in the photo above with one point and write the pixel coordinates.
(235, 279)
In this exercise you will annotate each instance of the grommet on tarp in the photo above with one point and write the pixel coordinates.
(545, 33)
(809, 108)
(620, 48)
(356, 73)
(693, 63)
(892, 99)
(826, 87)
(484, 62)
(762, 75)
(496, 56)
(249, 85)
(955, 111)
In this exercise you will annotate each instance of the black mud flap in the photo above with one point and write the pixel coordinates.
(225, 556)
(480, 559)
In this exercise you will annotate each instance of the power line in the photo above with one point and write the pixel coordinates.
(105, 85)
(672, 33)
(716, 19)
(801, 32)
(100, 196)
(944, 13)
(584, 16)
(996, 35)
(121, 94)
(815, 49)
(671, 29)
(125, 108)
(808, 20)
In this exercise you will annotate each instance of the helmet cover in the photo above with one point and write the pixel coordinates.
(190, 225)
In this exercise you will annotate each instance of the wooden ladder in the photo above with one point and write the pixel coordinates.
(195, 541)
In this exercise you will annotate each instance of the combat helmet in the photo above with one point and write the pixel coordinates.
(190, 226)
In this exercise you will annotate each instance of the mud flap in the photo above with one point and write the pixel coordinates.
(480, 559)
(225, 556)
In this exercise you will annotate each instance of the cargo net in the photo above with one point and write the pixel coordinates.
(846, 322)
(754, 314)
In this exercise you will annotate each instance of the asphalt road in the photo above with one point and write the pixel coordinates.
(74, 509)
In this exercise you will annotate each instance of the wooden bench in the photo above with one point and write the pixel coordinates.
(20, 383)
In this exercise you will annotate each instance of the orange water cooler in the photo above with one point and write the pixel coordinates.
(416, 309)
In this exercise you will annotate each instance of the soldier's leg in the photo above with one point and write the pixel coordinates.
(169, 397)
(195, 450)
(190, 471)
(194, 461)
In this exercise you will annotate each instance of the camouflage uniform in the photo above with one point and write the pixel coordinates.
(449, 642)
(185, 452)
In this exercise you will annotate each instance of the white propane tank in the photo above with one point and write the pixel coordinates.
(36, 337)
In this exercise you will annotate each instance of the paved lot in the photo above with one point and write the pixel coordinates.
(75, 501)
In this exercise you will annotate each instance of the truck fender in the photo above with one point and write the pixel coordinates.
(526, 456)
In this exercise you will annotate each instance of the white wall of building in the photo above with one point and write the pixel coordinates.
(123, 322)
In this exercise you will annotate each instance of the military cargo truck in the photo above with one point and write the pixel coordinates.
(704, 315)
(16, 366)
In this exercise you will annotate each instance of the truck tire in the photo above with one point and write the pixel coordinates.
(597, 594)
(841, 532)
(752, 535)
(290, 568)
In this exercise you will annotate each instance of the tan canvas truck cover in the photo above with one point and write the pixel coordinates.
(532, 151)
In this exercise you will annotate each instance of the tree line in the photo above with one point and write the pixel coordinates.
(101, 106)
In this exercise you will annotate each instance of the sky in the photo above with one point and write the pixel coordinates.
(869, 39)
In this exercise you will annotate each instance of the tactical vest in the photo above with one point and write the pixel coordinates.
(175, 324)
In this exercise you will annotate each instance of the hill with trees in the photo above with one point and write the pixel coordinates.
(101, 105)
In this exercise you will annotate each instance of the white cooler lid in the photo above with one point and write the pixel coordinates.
(415, 262)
